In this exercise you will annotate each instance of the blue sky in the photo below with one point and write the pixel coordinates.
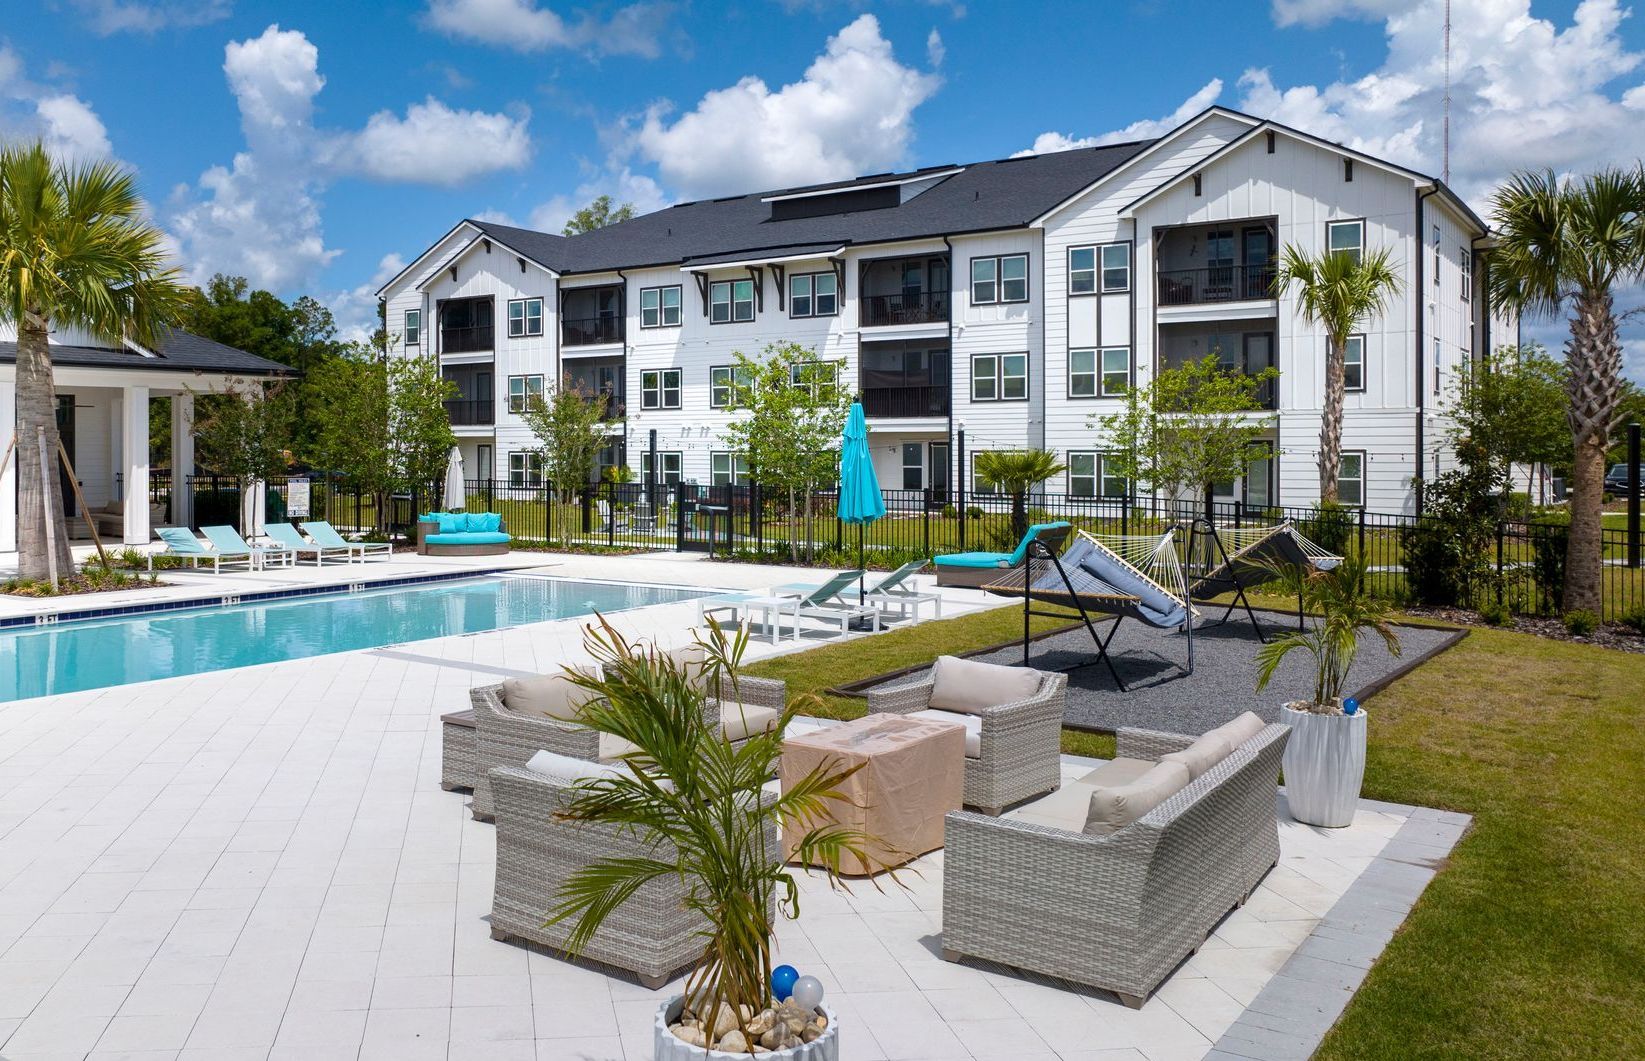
(314, 145)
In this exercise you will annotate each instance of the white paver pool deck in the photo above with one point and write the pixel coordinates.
(260, 863)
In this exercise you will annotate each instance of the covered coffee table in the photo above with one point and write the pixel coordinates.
(913, 773)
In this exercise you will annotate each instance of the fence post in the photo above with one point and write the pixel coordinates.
(1125, 514)
(1501, 530)
(756, 518)
(959, 479)
(925, 521)
(1633, 494)
(1362, 530)
(611, 509)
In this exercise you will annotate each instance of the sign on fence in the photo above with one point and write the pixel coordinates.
(297, 497)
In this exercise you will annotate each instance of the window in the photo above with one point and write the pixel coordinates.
(525, 468)
(1082, 270)
(813, 295)
(980, 485)
(913, 466)
(1116, 267)
(660, 389)
(818, 376)
(414, 327)
(730, 301)
(1353, 363)
(523, 391)
(1104, 372)
(1465, 262)
(1345, 237)
(1351, 478)
(1259, 478)
(727, 469)
(660, 307)
(1003, 279)
(1436, 256)
(1089, 476)
(525, 317)
(668, 468)
(999, 377)
(1436, 364)
(721, 381)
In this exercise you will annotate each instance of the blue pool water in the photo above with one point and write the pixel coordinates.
(37, 661)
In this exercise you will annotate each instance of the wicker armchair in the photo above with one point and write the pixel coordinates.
(508, 738)
(1119, 911)
(1021, 742)
(652, 935)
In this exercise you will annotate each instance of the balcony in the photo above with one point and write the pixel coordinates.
(471, 412)
(589, 331)
(475, 338)
(906, 402)
(1218, 283)
(915, 307)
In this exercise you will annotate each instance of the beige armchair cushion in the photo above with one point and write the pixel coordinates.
(1201, 755)
(614, 747)
(741, 720)
(548, 695)
(968, 686)
(972, 724)
(565, 770)
(1240, 730)
(693, 659)
(1113, 808)
(1118, 771)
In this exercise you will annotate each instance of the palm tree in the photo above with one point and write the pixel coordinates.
(1015, 472)
(1336, 291)
(1347, 609)
(1564, 241)
(75, 252)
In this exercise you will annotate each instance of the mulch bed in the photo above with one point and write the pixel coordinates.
(1612, 635)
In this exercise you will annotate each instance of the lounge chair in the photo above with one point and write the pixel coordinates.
(829, 603)
(288, 536)
(183, 545)
(227, 540)
(974, 569)
(325, 534)
(888, 593)
(1013, 725)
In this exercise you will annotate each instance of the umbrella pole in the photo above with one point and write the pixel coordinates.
(862, 594)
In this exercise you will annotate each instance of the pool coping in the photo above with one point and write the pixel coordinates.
(208, 600)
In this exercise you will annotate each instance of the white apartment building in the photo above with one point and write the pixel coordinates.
(1011, 301)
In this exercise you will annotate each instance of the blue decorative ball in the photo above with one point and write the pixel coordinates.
(1349, 706)
(782, 981)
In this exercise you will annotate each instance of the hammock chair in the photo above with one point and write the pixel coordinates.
(1127, 576)
(1258, 555)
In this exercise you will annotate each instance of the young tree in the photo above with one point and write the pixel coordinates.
(1512, 405)
(1336, 291)
(570, 426)
(793, 410)
(244, 430)
(1575, 242)
(1017, 471)
(597, 214)
(76, 251)
(419, 431)
(348, 400)
(1190, 426)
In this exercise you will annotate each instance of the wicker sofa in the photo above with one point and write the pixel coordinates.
(1013, 748)
(510, 738)
(1118, 911)
(652, 935)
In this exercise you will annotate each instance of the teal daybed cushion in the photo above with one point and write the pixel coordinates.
(1011, 559)
(468, 538)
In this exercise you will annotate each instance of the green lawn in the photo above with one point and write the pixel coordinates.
(1531, 943)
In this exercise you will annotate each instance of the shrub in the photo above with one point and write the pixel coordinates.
(1579, 622)
(1331, 527)
(1440, 564)
(1634, 620)
(1517, 506)
(950, 512)
(1550, 537)
(1494, 614)
(973, 512)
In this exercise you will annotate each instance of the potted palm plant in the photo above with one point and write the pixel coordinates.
(1325, 757)
(701, 805)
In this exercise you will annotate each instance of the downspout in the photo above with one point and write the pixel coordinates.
(622, 315)
(1421, 300)
(953, 391)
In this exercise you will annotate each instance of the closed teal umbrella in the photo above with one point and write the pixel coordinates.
(860, 499)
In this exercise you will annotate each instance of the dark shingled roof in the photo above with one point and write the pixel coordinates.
(982, 197)
(181, 351)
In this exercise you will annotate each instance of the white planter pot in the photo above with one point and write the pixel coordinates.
(1324, 766)
(667, 1047)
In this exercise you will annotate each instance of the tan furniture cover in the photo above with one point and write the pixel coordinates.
(913, 773)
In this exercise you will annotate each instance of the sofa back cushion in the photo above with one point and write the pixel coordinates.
(1115, 807)
(1240, 730)
(548, 695)
(566, 770)
(490, 522)
(968, 686)
(450, 522)
(1201, 755)
(693, 659)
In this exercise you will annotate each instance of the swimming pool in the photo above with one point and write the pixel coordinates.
(95, 653)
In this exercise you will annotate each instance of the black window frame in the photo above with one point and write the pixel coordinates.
(1363, 479)
(736, 459)
(811, 295)
(531, 473)
(1465, 264)
(1103, 268)
(732, 301)
(662, 388)
(798, 366)
(1358, 222)
(730, 383)
(1098, 476)
(661, 309)
(999, 376)
(999, 280)
(525, 390)
(525, 318)
(663, 456)
(1362, 364)
(413, 326)
(1094, 250)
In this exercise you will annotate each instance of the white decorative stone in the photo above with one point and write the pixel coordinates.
(667, 1047)
(1324, 766)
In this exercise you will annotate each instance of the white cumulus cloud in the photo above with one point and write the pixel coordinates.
(1139, 130)
(354, 310)
(623, 185)
(852, 112)
(525, 26)
(466, 143)
(67, 125)
(108, 17)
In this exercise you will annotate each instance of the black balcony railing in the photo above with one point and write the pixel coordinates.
(470, 412)
(587, 331)
(466, 340)
(905, 401)
(926, 307)
(1219, 283)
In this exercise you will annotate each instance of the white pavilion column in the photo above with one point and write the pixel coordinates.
(8, 478)
(182, 458)
(134, 449)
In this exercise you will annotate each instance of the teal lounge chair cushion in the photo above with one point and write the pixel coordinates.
(974, 560)
(468, 538)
